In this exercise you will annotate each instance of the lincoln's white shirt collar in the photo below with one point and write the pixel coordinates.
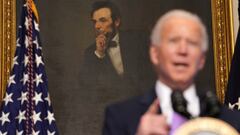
(115, 56)
(164, 95)
(116, 38)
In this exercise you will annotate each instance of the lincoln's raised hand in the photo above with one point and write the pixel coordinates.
(101, 45)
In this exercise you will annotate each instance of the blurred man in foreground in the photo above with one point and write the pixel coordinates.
(178, 48)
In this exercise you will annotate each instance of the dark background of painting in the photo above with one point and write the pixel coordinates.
(66, 30)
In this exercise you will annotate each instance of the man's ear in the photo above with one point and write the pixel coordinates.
(154, 52)
(202, 61)
(117, 22)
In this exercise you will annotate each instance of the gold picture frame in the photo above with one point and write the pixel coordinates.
(223, 41)
(7, 40)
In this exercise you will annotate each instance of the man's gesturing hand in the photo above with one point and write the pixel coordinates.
(152, 123)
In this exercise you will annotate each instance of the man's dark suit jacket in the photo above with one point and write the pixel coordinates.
(123, 118)
(100, 74)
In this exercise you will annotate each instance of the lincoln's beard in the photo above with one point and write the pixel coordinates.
(109, 35)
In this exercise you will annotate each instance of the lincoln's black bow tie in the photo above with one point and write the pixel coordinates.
(112, 44)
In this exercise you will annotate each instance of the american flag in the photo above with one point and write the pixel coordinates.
(26, 108)
(232, 98)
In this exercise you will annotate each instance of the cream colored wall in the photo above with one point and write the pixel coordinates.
(235, 16)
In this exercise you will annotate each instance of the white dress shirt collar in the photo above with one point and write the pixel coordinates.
(116, 56)
(116, 38)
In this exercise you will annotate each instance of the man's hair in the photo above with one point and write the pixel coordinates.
(157, 30)
(115, 13)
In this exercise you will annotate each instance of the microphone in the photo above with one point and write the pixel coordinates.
(179, 104)
(211, 105)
